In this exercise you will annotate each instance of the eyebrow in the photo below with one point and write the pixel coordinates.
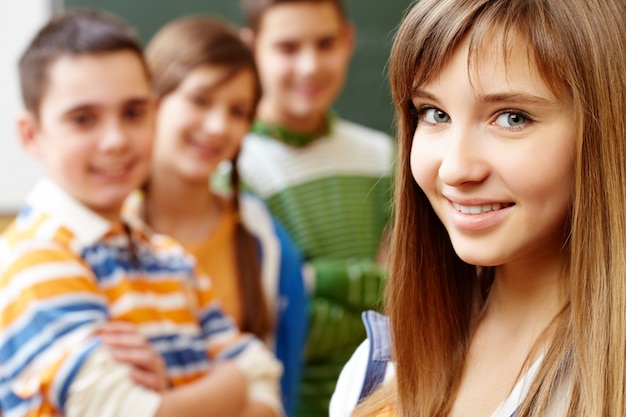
(517, 98)
(332, 33)
(417, 93)
(208, 87)
(90, 106)
(494, 98)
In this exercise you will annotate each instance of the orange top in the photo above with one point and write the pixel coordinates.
(216, 256)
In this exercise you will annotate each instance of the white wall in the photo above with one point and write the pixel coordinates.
(19, 20)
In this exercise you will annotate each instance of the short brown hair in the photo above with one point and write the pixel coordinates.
(253, 10)
(76, 32)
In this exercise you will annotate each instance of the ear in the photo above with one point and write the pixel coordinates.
(247, 36)
(350, 34)
(155, 102)
(28, 133)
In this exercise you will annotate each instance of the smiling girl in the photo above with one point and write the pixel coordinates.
(207, 88)
(507, 288)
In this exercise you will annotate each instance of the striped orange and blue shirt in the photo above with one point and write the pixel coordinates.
(64, 271)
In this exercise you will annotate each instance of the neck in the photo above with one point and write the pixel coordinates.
(299, 124)
(528, 296)
(187, 211)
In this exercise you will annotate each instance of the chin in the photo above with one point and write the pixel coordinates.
(307, 108)
(477, 257)
(112, 201)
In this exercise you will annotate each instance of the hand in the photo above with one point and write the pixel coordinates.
(257, 362)
(128, 346)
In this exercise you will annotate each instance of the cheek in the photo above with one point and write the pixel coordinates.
(424, 167)
(236, 133)
(173, 116)
(272, 69)
(338, 62)
(542, 173)
(146, 132)
(240, 129)
(144, 142)
(555, 186)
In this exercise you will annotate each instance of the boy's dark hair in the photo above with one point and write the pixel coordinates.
(76, 32)
(253, 10)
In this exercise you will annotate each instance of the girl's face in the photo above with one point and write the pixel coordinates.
(494, 154)
(203, 121)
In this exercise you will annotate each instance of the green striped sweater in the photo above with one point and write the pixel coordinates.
(333, 196)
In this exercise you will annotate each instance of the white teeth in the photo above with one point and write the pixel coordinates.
(477, 209)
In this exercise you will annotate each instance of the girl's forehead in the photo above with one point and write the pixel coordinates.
(486, 54)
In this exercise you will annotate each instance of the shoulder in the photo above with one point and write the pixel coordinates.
(37, 243)
(260, 221)
(364, 138)
(32, 261)
(251, 204)
(368, 368)
(350, 382)
(360, 146)
(348, 129)
(276, 243)
(256, 216)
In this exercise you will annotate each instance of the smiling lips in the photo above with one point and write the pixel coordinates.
(479, 209)
(204, 150)
(113, 171)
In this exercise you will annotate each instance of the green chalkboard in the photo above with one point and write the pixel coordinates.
(365, 98)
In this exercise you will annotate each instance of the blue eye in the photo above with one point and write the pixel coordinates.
(435, 116)
(511, 119)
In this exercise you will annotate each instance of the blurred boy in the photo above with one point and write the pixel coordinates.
(326, 179)
(69, 264)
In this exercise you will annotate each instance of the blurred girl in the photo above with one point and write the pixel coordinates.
(207, 88)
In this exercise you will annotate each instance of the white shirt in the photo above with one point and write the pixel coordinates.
(351, 380)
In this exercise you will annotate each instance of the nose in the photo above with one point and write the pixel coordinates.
(114, 137)
(463, 160)
(308, 61)
(215, 121)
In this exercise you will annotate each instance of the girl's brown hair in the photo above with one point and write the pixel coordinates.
(579, 48)
(177, 49)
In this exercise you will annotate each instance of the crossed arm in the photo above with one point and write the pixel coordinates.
(148, 391)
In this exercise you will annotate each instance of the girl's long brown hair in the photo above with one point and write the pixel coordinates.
(579, 47)
(177, 49)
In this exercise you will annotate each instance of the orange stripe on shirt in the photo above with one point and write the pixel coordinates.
(15, 233)
(182, 380)
(43, 410)
(148, 315)
(41, 257)
(141, 285)
(45, 290)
